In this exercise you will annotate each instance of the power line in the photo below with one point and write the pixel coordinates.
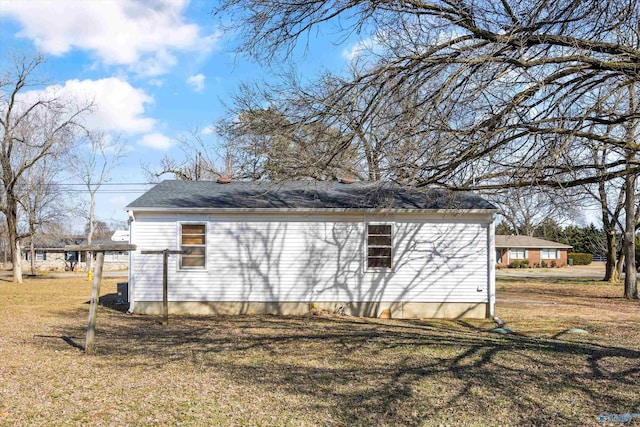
(103, 184)
(75, 184)
(107, 187)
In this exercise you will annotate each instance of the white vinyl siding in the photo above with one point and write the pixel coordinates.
(518, 253)
(315, 258)
(549, 254)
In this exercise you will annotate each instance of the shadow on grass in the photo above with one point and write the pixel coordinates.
(111, 302)
(387, 372)
(66, 339)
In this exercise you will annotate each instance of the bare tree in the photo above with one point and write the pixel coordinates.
(200, 160)
(34, 126)
(526, 208)
(617, 196)
(101, 229)
(4, 242)
(92, 163)
(41, 202)
(512, 80)
(508, 93)
(610, 195)
(269, 144)
(631, 221)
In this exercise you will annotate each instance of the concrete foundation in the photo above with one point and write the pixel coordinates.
(399, 310)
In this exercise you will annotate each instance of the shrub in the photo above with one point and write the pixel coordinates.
(554, 264)
(514, 264)
(524, 263)
(580, 258)
(543, 264)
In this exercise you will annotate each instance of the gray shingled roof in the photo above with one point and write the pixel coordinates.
(300, 195)
(504, 241)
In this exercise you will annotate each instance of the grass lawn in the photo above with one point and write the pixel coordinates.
(267, 370)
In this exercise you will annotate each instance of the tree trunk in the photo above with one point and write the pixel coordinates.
(629, 247)
(620, 263)
(611, 273)
(17, 262)
(32, 252)
(630, 278)
(14, 241)
(92, 220)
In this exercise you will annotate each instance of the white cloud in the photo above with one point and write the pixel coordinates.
(156, 82)
(117, 106)
(359, 48)
(196, 82)
(156, 140)
(143, 35)
(209, 130)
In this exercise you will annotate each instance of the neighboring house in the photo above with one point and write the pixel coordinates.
(297, 246)
(536, 251)
(50, 255)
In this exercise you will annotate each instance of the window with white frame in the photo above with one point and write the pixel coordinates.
(379, 246)
(193, 242)
(518, 253)
(550, 254)
(40, 255)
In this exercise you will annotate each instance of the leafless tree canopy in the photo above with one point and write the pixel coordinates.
(35, 126)
(525, 209)
(476, 89)
(466, 94)
(92, 163)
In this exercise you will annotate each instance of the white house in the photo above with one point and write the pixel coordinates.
(291, 247)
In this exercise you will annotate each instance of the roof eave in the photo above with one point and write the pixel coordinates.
(558, 246)
(311, 210)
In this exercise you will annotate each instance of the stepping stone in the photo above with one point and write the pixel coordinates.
(576, 331)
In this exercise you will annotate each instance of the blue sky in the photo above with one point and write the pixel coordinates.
(154, 68)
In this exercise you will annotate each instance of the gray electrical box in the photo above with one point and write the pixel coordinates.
(123, 293)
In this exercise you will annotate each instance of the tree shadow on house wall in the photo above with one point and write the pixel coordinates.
(324, 260)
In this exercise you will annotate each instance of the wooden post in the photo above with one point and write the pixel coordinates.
(165, 287)
(93, 309)
(97, 281)
(165, 280)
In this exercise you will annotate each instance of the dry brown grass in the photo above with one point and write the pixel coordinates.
(266, 370)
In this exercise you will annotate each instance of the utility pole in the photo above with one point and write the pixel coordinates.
(198, 165)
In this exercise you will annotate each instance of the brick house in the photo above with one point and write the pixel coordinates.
(537, 251)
